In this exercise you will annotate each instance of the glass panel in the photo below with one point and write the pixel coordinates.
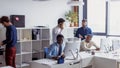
(96, 10)
(114, 18)
(97, 40)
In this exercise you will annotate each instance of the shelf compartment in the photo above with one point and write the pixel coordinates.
(45, 43)
(39, 55)
(26, 58)
(18, 61)
(26, 46)
(45, 34)
(36, 34)
(26, 34)
(36, 45)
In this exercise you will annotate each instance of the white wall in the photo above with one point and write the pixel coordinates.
(37, 13)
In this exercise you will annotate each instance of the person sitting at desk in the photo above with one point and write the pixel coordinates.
(86, 44)
(56, 49)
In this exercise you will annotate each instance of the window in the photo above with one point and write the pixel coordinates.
(114, 20)
(96, 10)
(97, 40)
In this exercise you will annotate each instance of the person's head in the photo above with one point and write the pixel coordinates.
(84, 23)
(61, 22)
(4, 20)
(60, 38)
(88, 37)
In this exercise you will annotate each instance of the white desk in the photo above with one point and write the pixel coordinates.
(104, 61)
(107, 60)
(99, 60)
(48, 63)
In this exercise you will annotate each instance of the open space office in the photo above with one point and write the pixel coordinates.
(35, 20)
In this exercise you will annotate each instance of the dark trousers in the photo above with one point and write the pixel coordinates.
(10, 55)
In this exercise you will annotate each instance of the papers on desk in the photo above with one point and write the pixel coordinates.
(46, 61)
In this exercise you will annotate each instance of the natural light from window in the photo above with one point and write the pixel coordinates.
(114, 19)
(96, 15)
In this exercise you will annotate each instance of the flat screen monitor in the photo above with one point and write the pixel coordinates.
(105, 44)
(116, 44)
(71, 49)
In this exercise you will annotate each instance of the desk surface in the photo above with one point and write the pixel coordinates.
(48, 63)
(114, 55)
(87, 59)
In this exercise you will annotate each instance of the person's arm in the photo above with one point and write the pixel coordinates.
(63, 50)
(8, 38)
(90, 31)
(78, 35)
(95, 45)
(51, 51)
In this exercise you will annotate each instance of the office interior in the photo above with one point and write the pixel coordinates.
(102, 17)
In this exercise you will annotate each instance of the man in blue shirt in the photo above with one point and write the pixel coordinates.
(10, 42)
(56, 49)
(83, 31)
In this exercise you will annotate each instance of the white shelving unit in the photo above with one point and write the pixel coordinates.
(30, 45)
(24, 47)
(41, 39)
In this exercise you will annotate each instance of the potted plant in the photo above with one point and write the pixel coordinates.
(72, 17)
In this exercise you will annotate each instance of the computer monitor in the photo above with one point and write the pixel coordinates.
(116, 44)
(105, 44)
(71, 49)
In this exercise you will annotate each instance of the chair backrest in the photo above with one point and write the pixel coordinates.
(45, 52)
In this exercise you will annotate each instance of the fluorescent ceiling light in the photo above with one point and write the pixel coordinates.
(75, 3)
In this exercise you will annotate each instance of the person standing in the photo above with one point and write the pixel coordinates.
(10, 42)
(58, 29)
(83, 31)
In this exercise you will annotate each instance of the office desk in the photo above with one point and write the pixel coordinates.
(107, 60)
(48, 63)
(99, 60)
(104, 61)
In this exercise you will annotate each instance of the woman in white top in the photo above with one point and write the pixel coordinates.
(86, 44)
(58, 29)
